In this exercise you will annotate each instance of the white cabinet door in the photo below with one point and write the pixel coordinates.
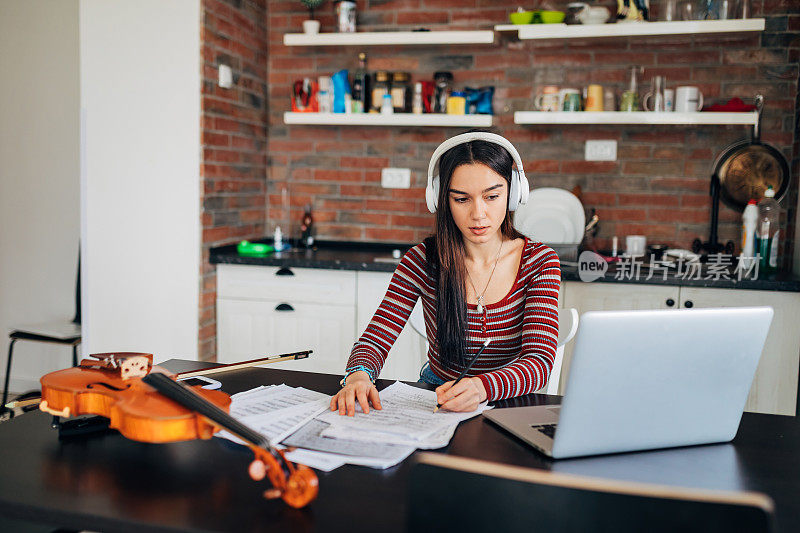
(248, 329)
(774, 388)
(612, 297)
(618, 296)
(409, 351)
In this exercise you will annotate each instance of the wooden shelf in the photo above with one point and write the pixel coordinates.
(396, 119)
(389, 38)
(636, 117)
(627, 29)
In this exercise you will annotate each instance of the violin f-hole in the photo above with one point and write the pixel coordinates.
(106, 385)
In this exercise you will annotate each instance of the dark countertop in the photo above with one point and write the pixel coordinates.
(377, 257)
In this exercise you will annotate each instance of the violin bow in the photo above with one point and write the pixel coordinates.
(246, 364)
(297, 486)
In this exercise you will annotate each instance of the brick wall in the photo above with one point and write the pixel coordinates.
(234, 136)
(658, 186)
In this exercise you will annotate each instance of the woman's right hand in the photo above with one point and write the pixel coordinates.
(357, 387)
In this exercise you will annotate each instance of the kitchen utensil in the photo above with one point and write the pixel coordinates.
(635, 245)
(551, 17)
(548, 99)
(688, 99)
(553, 203)
(746, 168)
(655, 97)
(594, 98)
(521, 17)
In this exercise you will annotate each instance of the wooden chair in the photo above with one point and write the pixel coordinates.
(458, 494)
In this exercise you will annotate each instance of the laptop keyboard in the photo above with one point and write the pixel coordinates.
(547, 429)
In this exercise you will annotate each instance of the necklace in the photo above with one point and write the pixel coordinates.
(479, 297)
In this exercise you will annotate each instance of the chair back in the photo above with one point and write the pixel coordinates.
(567, 327)
(455, 493)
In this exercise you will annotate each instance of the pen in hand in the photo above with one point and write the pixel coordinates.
(466, 369)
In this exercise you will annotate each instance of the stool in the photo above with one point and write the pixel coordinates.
(65, 333)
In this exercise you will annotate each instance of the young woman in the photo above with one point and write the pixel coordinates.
(478, 278)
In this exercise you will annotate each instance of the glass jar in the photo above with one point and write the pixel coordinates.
(443, 81)
(379, 88)
(401, 92)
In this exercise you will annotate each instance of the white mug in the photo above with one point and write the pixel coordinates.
(688, 99)
(635, 245)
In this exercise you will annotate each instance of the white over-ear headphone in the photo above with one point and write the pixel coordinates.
(518, 193)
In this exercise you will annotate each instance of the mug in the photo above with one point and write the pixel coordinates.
(688, 99)
(548, 99)
(594, 98)
(570, 100)
(635, 245)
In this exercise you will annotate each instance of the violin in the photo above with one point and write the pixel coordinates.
(144, 403)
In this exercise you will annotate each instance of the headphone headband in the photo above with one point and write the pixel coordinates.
(518, 193)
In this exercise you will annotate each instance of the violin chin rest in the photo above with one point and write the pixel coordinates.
(65, 412)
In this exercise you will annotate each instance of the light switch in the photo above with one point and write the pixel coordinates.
(396, 178)
(225, 77)
(601, 151)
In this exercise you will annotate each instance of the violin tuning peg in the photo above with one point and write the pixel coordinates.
(272, 494)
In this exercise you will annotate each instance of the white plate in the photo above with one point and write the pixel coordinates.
(549, 224)
(552, 198)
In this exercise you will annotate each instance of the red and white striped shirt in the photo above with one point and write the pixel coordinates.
(523, 325)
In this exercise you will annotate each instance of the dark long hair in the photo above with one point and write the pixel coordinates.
(445, 254)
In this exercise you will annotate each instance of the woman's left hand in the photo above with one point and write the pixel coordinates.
(465, 396)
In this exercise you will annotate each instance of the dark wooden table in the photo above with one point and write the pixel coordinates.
(108, 483)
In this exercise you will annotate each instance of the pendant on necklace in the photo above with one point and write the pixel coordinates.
(480, 304)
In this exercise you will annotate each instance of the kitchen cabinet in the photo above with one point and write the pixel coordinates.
(409, 352)
(265, 310)
(774, 387)
(268, 310)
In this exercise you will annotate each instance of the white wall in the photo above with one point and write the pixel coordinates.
(39, 177)
(140, 185)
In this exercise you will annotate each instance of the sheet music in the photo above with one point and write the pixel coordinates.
(273, 399)
(309, 437)
(407, 414)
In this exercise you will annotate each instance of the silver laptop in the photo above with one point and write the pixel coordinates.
(641, 380)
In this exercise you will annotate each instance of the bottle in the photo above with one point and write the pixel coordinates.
(749, 221)
(307, 228)
(277, 239)
(325, 94)
(386, 107)
(768, 232)
(379, 89)
(361, 86)
(630, 98)
(416, 106)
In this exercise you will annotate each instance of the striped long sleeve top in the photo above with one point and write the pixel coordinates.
(523, 325)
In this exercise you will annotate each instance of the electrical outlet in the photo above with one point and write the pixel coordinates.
(601, 151)
(396, 178)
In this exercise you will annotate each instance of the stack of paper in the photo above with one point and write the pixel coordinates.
(300, 418)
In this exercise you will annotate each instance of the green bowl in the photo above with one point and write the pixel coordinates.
(526, 17)
(551, 17)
